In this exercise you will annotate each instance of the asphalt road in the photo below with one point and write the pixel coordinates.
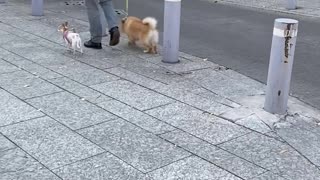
(240, 38)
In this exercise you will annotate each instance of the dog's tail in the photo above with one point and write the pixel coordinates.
(150, 21)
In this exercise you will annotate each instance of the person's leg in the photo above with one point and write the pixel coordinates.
(95, 24)
(111, 16)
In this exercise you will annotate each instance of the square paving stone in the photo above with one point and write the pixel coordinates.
(133, 94)
(203, 103)
(103, 166)
(51, 143)
(224, 85)
(223, 159)
(154, 71)
(6, 67)
(204, 126)
(186, 65)
(80, 90)
(272, 155)
(98, 60)
(25, 85)
(16, 164)
(220, 99)
(6, 37)
(136, 78)
(5, 144)
(192, 168)
(306, 142)
(36, 69)
(141, 149)
(269, 176)
(136, 117)
(92, 77)
(14, 110)
(71, 110)
(254, 122)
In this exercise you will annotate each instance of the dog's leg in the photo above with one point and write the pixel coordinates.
(131, 41)
(154, 49)
(146, 47)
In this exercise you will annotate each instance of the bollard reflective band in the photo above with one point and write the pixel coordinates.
(284, 33)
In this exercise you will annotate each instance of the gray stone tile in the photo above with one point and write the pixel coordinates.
(133, 94)
(136, 78)
(25, 85)
(6, 37)
(306, 142)
(84, 92)
(192, 168)
(204, 126)
(186, 65)
(125, 60)
(92, 77)
(15, 164)
(141, 149)
(49, 142)
(19, 46)
(5, 144)
(5, 67)
(14, 110)
(136, 117)
(195, 100)
(220, 99)
(243, 79)
(238, 113)
(103, 166)
(272, 155)
(254, 122)
(217, 156)
(99, 59)
(268, 176)
(71, 110)
(83, 73)
(153, 71)
(36, 69)
(224, 85)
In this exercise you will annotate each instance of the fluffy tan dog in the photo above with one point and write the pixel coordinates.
(141, 32)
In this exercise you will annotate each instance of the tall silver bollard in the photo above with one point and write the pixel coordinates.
(280, 65)
(171, 34)
(37, 7)
(291, 4)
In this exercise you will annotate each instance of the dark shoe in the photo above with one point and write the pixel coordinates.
(114, 36)
(90, 44)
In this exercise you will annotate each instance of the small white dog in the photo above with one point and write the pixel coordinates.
(72, 39)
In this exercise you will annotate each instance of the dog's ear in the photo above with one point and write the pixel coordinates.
(123, 19)
(66, 24)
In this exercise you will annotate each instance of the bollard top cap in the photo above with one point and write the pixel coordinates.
(286, 21)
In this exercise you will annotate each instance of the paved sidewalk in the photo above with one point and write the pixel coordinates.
(120, 114)
(304, 7)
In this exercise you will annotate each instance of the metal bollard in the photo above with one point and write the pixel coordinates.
(37, 7)
(171, 34)
(291, 4)
(280, 65)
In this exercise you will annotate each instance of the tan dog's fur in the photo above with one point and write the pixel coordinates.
(140, 31)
